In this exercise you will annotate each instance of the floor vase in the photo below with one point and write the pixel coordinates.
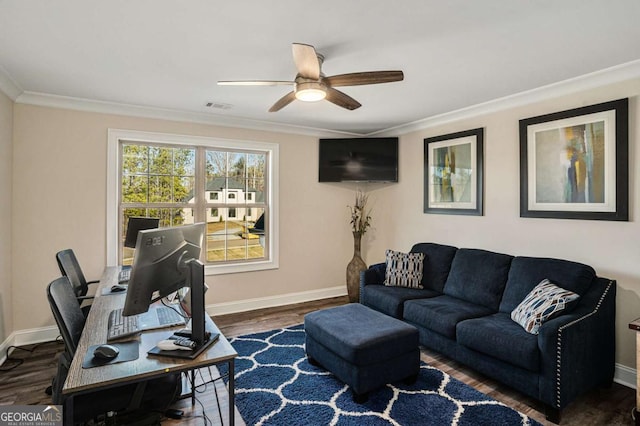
(354, 268)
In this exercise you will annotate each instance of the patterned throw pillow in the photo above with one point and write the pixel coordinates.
(544, 302)
(404, 269)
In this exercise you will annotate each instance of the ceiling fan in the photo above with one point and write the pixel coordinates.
(311, 84)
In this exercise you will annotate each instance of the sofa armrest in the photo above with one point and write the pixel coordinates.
(372, 275)
(578, 349)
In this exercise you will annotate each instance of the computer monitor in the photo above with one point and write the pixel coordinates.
(160, 264)
(136, 224)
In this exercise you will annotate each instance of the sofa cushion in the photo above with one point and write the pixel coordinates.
(499, 337)
(544, 302)
(437, 263)
(478, 276)
(442, 313)
(527, 272)
(403, 269)
(390, 300)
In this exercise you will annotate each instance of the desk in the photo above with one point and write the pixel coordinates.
(145, 367)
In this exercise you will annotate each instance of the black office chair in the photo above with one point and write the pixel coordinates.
(70, 267)
(152, 395)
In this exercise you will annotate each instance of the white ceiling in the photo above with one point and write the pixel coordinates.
(169, 54)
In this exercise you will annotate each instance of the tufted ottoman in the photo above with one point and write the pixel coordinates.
(362, 347)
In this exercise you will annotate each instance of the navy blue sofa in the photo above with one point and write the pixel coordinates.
(463, 312)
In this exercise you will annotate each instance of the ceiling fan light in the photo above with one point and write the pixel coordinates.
(311, 91)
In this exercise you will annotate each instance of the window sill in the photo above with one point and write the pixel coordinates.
(234, 268)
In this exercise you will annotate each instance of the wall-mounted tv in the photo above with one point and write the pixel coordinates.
(358, 160)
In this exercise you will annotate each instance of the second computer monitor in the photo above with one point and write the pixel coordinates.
(137, 224)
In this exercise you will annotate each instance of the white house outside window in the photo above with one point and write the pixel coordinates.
(228, 185)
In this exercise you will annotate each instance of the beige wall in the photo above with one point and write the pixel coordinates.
(60, 171)
(6, 135)
(612, 248)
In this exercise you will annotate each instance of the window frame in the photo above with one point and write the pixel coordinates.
(115, 136)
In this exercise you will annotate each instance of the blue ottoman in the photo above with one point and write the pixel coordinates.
(362, 347)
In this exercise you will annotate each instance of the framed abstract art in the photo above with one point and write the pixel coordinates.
(453, 176)
(574, 163)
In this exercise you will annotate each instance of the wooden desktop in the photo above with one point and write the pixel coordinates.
(81, 380)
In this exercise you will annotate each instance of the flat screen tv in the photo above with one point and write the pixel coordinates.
(358, 160)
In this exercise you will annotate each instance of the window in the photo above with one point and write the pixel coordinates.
(178, 179)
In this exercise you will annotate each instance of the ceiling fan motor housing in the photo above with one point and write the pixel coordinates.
(310, 90)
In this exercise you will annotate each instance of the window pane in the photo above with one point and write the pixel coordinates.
(256, 167)
(160, 160)
(184, 161)
(135, 189)
(232, 236)
(257, 190)
(184, 189)
(135, 159)
(160, 189)
(216, 164)
(237, 165)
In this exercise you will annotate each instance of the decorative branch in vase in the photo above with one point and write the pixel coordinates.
(360, 221)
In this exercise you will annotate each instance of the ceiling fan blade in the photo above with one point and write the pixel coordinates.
(342, 99)
(360, 78)
(255, 83)
(306, 60)
(283, 102)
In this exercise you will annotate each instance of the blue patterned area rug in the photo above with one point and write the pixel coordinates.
(276, 385)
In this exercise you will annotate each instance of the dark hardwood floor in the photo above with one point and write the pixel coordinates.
(25, 384)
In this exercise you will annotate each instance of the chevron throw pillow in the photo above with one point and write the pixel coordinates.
(404, 269)
(544, 302)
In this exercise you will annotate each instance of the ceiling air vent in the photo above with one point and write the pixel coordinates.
(218, 105)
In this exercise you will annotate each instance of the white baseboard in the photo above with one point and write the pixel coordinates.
(27, 337)
(626, 376)
(272, 301)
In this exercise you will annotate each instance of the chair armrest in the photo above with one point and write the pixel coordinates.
(578, 349)
(80, 298)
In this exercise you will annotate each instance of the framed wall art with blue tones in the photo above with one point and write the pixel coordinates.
(574, 163)
(453, 178)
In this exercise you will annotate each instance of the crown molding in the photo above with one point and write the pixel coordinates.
(593, 80)
(9, 86)
(105, 107)
(612, 75)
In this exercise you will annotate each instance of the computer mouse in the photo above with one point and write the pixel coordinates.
(118, 288)
(106, 352)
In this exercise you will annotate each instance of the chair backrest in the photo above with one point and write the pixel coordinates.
(66, 312)
(70, 268)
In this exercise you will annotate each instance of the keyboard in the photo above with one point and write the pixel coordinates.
(124, 275)
(120, 326)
